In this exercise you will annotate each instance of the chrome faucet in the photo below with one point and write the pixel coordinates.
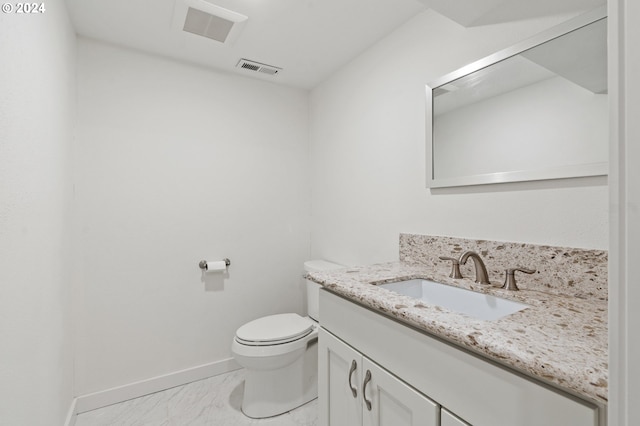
(481, 271)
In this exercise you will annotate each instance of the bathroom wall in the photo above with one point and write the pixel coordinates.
(176, 164)
(37, 112)
(367, 135)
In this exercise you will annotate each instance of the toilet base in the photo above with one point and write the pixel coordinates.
(273, 392)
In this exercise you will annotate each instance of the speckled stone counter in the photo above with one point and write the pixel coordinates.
(560, 339)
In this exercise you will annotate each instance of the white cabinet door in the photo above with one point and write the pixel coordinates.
(347, 396)
(390, 402)
(448, 419)
(340, 376)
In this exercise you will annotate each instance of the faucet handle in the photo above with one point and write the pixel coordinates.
(510, 277)
(455, 267)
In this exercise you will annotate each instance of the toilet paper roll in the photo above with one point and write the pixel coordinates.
(215, 265)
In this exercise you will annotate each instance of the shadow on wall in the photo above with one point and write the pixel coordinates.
(214, 281)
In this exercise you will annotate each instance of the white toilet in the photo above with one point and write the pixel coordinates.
(280, 354)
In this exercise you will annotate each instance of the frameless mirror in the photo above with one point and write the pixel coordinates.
(535, 111)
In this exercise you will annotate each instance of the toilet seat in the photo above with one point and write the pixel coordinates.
(274, 330)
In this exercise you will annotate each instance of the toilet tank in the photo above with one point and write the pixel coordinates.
(313, 289)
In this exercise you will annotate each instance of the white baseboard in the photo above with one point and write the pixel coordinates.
(118, 394)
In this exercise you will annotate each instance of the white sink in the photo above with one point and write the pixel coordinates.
(476, 305)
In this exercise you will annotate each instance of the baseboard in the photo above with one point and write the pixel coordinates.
(71, 414)
(118, 394)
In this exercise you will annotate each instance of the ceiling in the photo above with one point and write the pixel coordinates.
(308, 39)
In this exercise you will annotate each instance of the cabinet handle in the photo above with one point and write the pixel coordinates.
(354, 391)
(367, 379)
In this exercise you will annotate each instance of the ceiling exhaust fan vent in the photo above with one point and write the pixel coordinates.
(205, 19)
(258, 67)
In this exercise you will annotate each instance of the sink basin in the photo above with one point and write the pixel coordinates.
(467, 302)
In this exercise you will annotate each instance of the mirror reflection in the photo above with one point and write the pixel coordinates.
(539, 114)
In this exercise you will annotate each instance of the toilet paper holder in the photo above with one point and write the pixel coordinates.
(203, 263)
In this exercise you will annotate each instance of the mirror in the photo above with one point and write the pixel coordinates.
(535, 111)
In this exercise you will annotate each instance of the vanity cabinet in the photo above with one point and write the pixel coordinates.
(410, 365)
(356, 391)
(449, 419)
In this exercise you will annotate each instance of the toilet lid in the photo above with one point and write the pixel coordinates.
(274, 329)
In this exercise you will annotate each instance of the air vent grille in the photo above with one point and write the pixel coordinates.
(258, 67)
(251, 67)
(267, 70)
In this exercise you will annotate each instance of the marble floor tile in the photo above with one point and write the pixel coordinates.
(214, 401)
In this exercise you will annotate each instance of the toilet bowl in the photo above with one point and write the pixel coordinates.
(282, 370)
(280, 355)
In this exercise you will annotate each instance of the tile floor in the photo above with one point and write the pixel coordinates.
(211, 402)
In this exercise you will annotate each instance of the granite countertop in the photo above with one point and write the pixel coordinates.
(561, 340)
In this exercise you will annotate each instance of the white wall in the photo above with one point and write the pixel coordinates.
(367, 133)
(37, 110)
(177, 164)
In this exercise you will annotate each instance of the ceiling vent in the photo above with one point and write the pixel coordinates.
(208, 20)
(257, 67)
